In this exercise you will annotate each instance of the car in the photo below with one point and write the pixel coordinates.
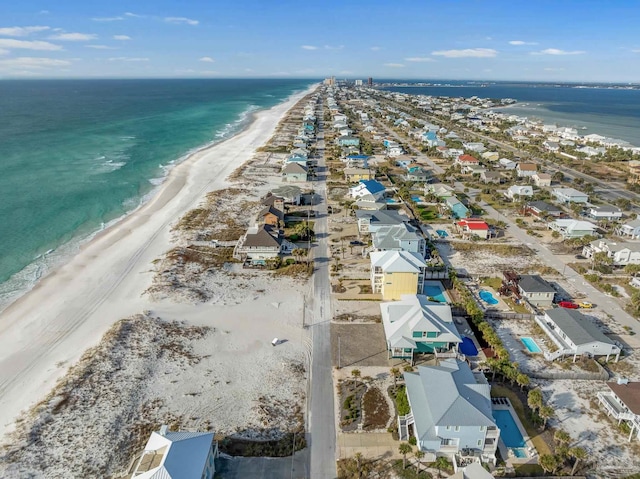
(356, 243)
(586, 305)
(568, 305)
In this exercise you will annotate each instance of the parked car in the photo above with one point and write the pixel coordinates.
(568, 305)
(356, 243)
(586, 305)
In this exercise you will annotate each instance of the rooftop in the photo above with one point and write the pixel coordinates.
(628, 393)
(579, 328)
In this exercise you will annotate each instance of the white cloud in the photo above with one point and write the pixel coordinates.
(636, 50)
(44, 12)
(74, 37)
(555, 51)
(121, 37)
(101, 47)
(206, 60)
(133, 15)
(419, 59)
(308, 47)
(375, 49)
(181, 20)
(21, 31)
(329, 47)
(128, 59)
(3, 52)
(467, 53)
(28, 45)
(107, 19)
(520, 42)
(394, 65)
(33, 62)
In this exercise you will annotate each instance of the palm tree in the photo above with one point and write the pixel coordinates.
(523, 380)
(561, 437)
(404, 449)
(419, 455)
(441, 463)
(394, 374)
(579, 454)
(545, 413)
(355, 373)
(548, 462)
(534, 399)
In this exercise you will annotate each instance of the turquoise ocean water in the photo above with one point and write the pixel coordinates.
(608, 112)
(76, 155)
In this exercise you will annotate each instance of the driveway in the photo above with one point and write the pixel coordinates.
(296, 467)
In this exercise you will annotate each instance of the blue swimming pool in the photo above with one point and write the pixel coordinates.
(434, 291)
(467, 347)
(487, 297)
(531, 345)
(442, 233)
(416, 198)
(509, 431)
(391, 201)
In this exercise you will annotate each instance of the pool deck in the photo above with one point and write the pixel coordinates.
(507, 455)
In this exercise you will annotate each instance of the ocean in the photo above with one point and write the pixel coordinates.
(76, 155)
(609, 112)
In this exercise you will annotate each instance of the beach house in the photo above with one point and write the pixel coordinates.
(604, 212)
(535, 290)
(541, 180)
(621, 400)
(416, 325)
(569, 195)
(518, 192)
(570, 228)
(294, 173)
(349, 141)
(465, 160)
(260, 244)
(273, 200)
(272, 216)
(630, 228)
(358, 174)
(542, 209)
(394, 273)
(621, 253)
(177, 455)
(439, 190)
(450, 412)
(367, 188)
(574, 334)
(402, 237)
(473, 227)
(491, 177)
(370, 221)
(417, 173)
(458, 210)
(526, 170)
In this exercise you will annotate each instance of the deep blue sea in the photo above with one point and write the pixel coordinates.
(608, 112)
(77, 154)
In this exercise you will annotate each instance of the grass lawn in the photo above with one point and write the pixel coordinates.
(494, 283)
(532, 430)
(529, 470)
(518, 308)
(426, 214)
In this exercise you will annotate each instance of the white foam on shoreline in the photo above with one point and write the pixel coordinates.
(26, 279)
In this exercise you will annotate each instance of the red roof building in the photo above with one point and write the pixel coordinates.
(473, 227)
(467, 160)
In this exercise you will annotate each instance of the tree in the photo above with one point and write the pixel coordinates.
(561, 437)
(404, 449)
(548, 462)
(534, 399)
(601, 259)
(578, 454)
(545, 413)
(441, 463)
(632, 269)
(394, 374)
(555, 234)
(523, 380)
(419, 455)
(355, 373)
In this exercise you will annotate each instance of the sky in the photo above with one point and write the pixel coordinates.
(541, 40)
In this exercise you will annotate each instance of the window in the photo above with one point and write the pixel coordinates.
(448, 428)
(432, 334)
(479, 442)
(457, 428)
(482, 428)
(417, 334)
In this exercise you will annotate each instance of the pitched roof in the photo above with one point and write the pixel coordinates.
(533, 283)
(294, 168)
(270, 199)
(397, 261)
(175, 455)
(263, 236)
(389, 237)
(467, 159)
(568, 192)
(579, 328)
(416, 313)
(373, 186)
(527, 166)
(473, 224)
(271, 210)
(543, 206)
(382, 218)
(629, 394)
(448, 395)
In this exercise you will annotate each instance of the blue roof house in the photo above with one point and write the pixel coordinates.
(349, 141)
(368, 187)
(457, 208)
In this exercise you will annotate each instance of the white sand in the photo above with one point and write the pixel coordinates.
(68, 311)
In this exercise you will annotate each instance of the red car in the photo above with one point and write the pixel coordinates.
(568, 305)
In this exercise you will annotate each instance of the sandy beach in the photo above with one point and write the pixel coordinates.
(48, 329)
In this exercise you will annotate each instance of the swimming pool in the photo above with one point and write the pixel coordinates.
(391, 201)
(467, 347)
(416, 198)
(442, 233)
(531, 345)
(487, 297)
(509, 432)
(434, 291)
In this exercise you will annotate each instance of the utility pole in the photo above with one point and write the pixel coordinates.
(339, 365)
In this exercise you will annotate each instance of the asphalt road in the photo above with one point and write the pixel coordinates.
(607, 303)
(322, 431)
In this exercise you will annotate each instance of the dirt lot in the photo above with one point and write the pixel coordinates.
(361, 344)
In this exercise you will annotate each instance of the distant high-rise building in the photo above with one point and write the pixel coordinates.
(358, 82)
(370, 81)
(331, 81)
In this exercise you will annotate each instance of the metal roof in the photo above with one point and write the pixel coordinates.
(533, 283)
(577, 327)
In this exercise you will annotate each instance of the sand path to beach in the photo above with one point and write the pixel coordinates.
(67, 312)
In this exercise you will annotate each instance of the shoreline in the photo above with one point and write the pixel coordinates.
(67, 311)
(65, 251)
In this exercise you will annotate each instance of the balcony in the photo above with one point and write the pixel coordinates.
(492, 433)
